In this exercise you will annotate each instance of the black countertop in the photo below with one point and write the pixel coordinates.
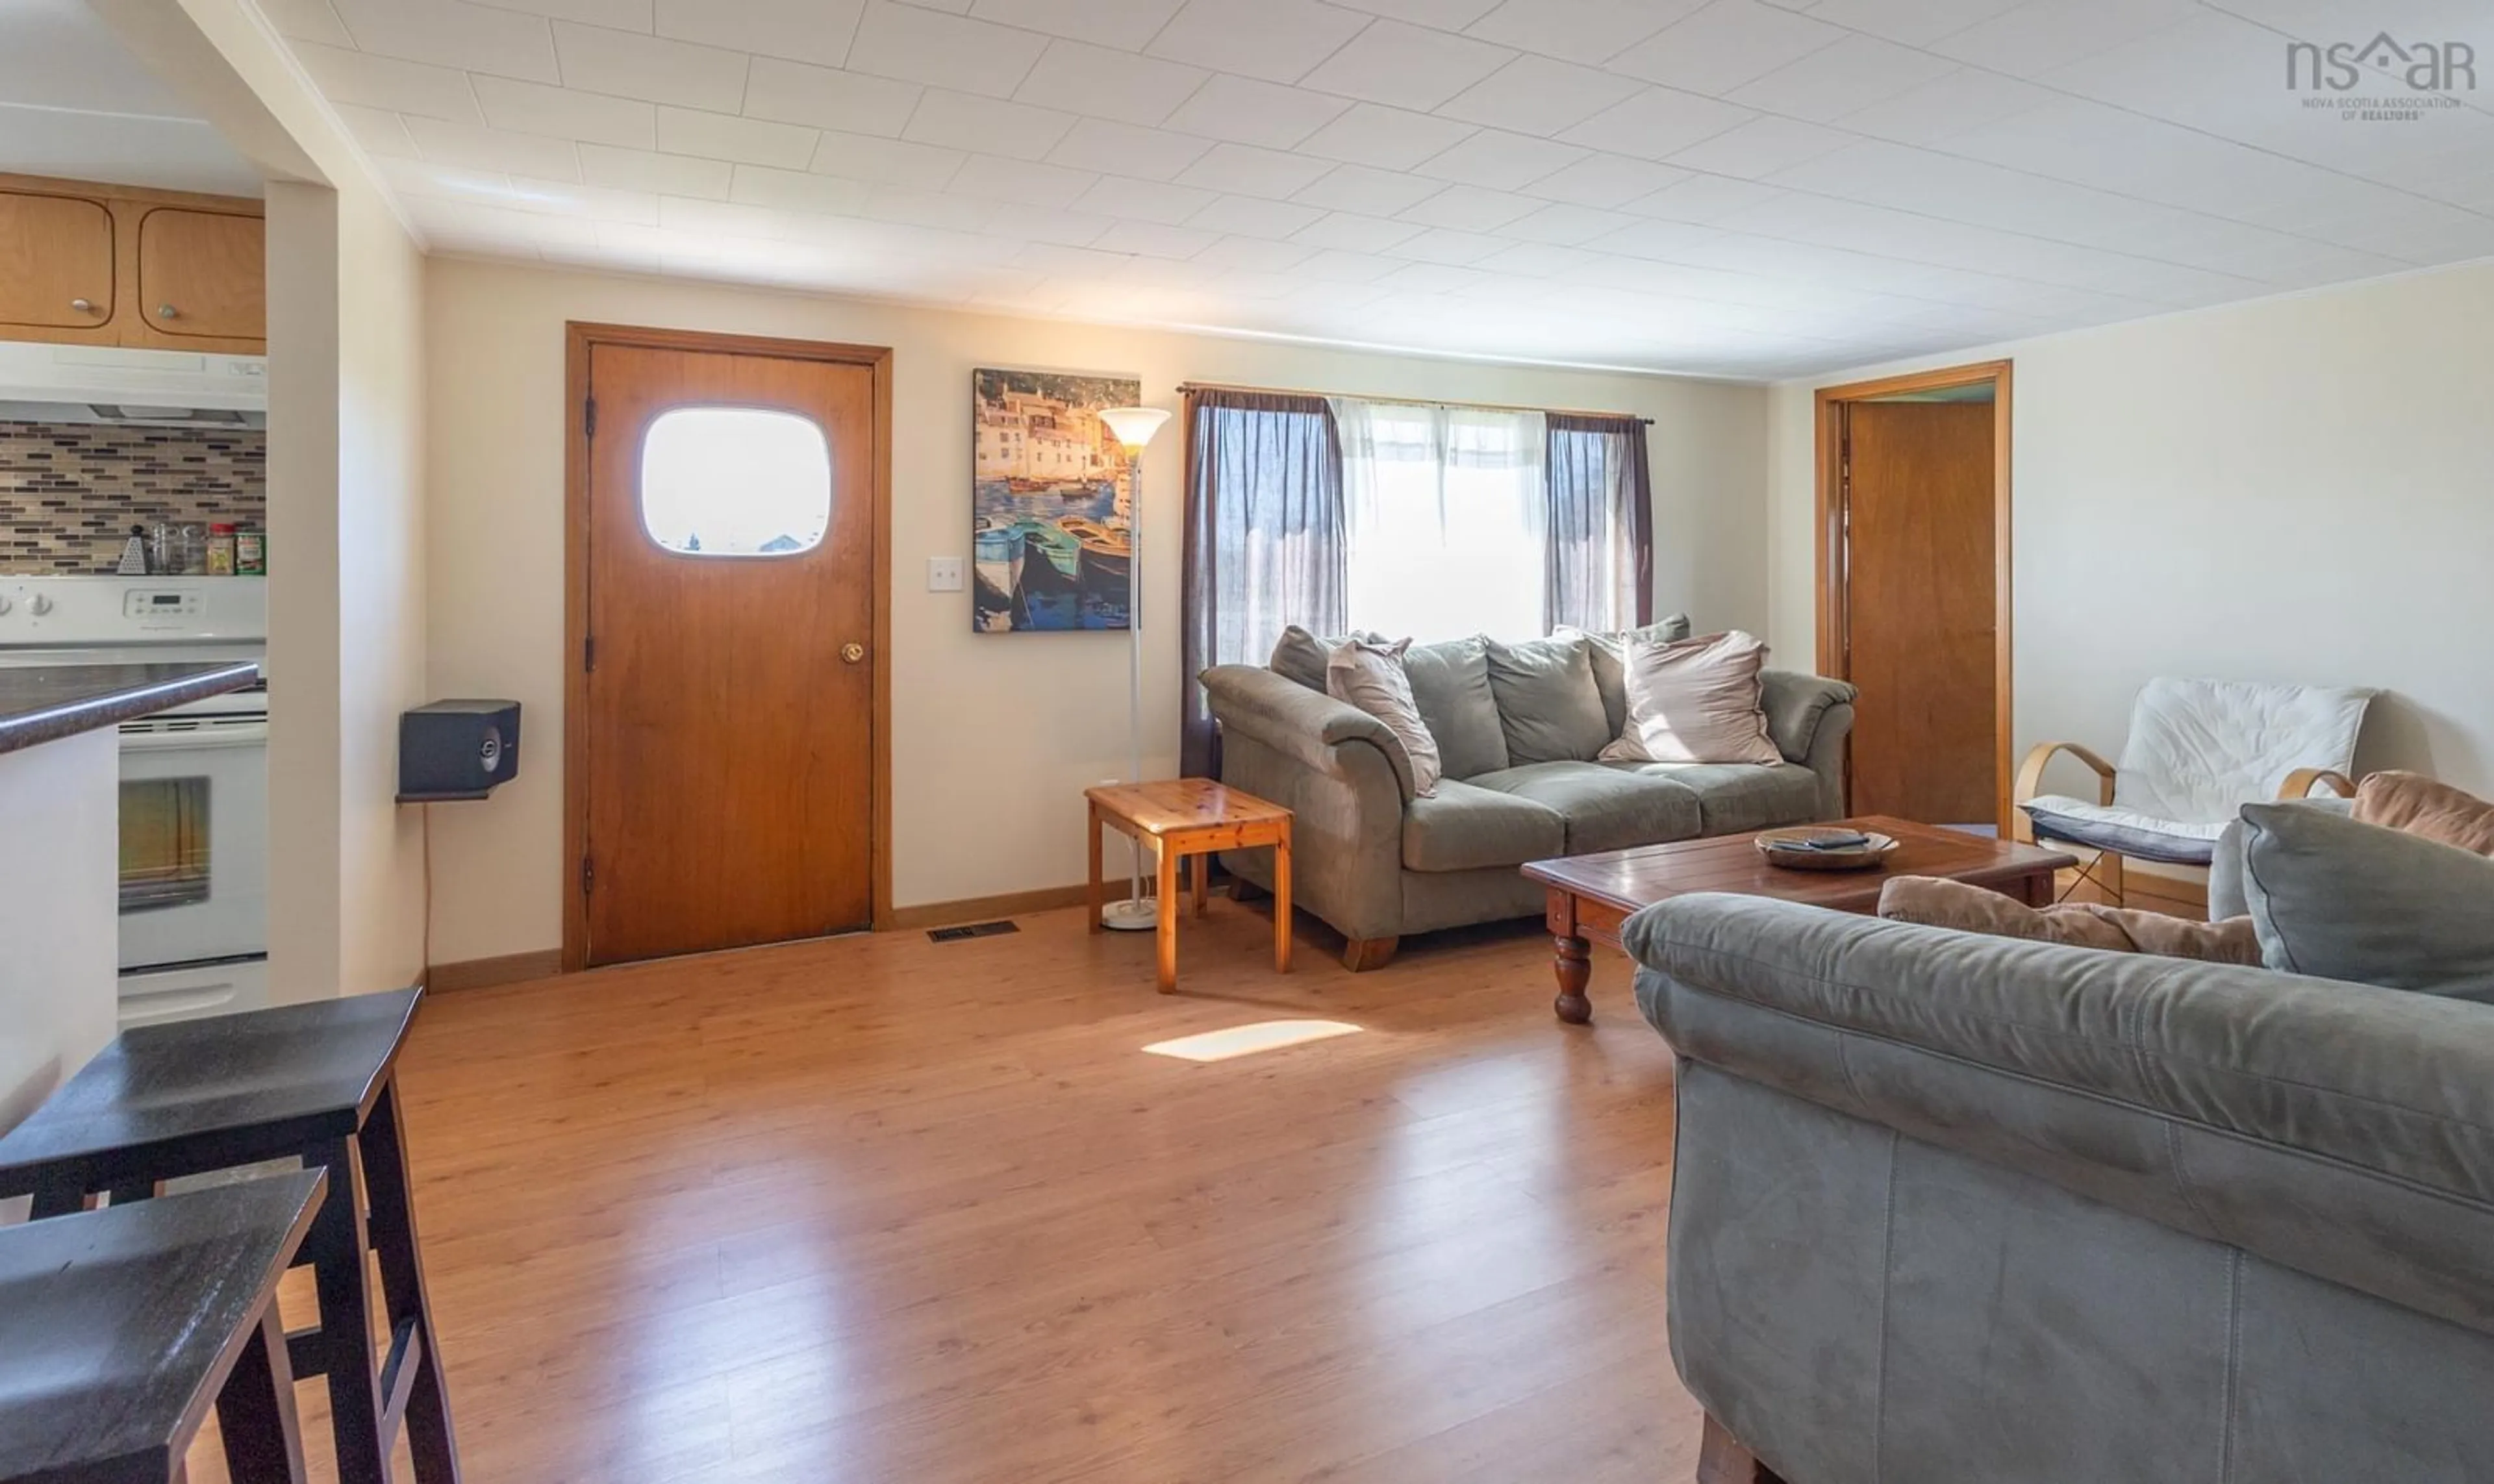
(45, 703)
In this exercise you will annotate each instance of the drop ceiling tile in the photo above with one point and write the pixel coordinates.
(1657, 124)
(1537, 96)
(451, 33)
(1246, 170)
(1144, 200)
(1352, 233)
(797, 30)
(794, 93)
(1955, 104)
(885, 161)
(1245, 111)
(1039, 223)
(727, 137)
(602, 61)
(1471, 209)
(1121, 23)
(1407, 67)
(721, 219)
(1761, 146)
(1431, 278)
(1440, 244)
(418, 177)
(1566, 225)
(466, 146)
(985, 125)
(950, 51)
(1335, 265)
(1501, 161)
(1155, 241)
(1279, 40)
(642, 170)
(1586, 31)
(992, 177)
(1248, 217)
(1854, 73)
(379, 131)
(1106, 83)
(1665, 240)
(1254, 255)
(386, 83)
(307, 20)
(928, 208)
(2044, 34)
(1603, 181)
(619, 15)
(1538, 259)
(1376, 193)
(1727, 44)
(1909, 23)
(533, 107)
(1708, 198)
(758, 185)
(1388, 138)
(1124, 149)
(1445, 14)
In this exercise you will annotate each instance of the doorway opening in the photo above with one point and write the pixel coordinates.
(726, 727)
(1913, 521)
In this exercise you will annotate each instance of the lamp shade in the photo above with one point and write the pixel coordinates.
(1134, 427)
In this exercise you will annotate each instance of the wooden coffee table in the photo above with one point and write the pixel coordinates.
(1591, 896)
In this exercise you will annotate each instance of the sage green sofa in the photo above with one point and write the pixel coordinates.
(1517, 726)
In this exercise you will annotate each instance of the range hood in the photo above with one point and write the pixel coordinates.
(137, 388)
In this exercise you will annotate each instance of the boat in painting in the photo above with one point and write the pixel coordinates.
(1052, 538)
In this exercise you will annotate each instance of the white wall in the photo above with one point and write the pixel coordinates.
(2299, 489)
(994, 736)
(59, 899)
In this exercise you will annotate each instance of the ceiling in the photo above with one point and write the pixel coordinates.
(75, 105)
(1723, 187)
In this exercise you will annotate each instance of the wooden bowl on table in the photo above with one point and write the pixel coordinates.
(1824, 848)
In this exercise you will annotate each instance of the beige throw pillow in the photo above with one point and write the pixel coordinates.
(1965, 908)
(1694, 701)
(2417, 804)
(1369, 675)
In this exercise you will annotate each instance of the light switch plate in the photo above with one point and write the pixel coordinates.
(945, 574)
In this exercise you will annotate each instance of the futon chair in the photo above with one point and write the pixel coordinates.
(2197, 751)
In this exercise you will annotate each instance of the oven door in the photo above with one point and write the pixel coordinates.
(194, 839)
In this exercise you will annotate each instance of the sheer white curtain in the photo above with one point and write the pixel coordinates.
(1445, 519)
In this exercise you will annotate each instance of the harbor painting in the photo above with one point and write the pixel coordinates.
(1053, 503)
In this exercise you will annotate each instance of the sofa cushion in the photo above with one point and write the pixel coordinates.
(1463, 826)
(1301, 657)
(2426, 806)
(1605, 808)
(1962, 907)
(1450, 682)
(1733, 797)
(1609, 655)
(1548, 706)
(2338, 898)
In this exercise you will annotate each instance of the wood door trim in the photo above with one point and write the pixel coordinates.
(1828, 522)
(579, 338)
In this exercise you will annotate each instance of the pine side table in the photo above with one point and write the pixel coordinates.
(1182, 817)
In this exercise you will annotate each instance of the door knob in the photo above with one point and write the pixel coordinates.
(853, 652)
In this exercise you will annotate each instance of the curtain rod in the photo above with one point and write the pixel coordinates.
(1419, 401)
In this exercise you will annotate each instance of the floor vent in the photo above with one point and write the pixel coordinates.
(968, 930)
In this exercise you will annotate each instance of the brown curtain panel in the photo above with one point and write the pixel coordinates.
(1263, 540)
(1599, 565)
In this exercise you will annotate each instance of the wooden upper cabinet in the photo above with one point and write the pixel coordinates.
(56, 261)
(202, 275)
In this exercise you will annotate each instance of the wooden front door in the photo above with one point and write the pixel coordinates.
(1921, 619)
(727, 739)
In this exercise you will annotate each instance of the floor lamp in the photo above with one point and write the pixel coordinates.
(1133, 428)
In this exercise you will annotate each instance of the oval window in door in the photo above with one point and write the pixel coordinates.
(718, 481)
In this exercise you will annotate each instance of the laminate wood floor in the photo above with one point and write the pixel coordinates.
(877, 1210)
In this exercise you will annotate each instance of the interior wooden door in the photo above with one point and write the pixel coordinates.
(203, 274)
(55, 262)
(729, 686)
(1920, 616)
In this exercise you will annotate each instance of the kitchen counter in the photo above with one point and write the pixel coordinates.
(46, 703)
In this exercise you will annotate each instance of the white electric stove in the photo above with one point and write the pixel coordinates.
(194, 780)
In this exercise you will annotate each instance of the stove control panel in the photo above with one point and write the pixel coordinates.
(154, 603)
(69, 611)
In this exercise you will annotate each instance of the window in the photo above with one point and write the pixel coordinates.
(735, 482)
(1445, 517)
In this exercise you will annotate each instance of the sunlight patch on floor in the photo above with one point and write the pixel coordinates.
(1248, 1040)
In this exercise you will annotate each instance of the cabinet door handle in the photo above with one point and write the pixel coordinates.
(84, 306)
(167, 312)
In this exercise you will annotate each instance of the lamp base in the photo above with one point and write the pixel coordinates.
(1138, 915)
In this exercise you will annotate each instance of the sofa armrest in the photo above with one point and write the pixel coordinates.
(1808, 718)
(2343, 1129)
(1304, 724)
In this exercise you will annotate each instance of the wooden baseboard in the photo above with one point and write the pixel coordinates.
(981, 909)
(508, 969)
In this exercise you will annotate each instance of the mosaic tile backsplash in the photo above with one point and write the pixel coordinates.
(70, 492)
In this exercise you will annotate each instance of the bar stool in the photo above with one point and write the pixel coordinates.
(313, 1081)
(119, 1327)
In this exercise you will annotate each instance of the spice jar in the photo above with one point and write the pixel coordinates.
(221, 550)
